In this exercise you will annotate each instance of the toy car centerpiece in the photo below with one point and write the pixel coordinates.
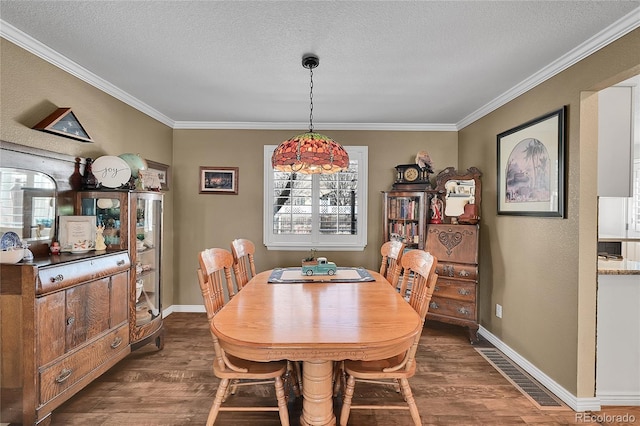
(318, 266)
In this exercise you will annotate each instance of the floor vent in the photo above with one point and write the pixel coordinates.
(531, 388)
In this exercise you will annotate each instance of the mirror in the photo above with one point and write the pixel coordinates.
(461, 192)
(28, 204)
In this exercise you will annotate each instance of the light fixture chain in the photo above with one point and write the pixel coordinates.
(311, 102)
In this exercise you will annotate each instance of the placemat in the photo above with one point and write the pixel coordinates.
(343, 275)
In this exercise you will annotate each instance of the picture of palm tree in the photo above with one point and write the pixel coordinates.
(528, 176)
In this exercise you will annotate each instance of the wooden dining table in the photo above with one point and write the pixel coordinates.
(317, 323)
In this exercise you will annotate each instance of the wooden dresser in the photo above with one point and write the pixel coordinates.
(454, 241)
(65, 321)
(455, 298)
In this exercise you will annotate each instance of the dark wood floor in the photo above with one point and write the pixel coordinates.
(454, 385)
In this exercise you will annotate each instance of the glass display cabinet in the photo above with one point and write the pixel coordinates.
(132, 220)
(405, 217)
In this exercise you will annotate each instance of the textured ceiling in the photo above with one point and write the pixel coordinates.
(237, 64)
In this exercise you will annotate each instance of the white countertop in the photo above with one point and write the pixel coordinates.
(618, 267)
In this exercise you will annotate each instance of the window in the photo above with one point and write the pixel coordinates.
(318, 211)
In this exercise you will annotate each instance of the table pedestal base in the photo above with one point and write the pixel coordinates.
(317, 391)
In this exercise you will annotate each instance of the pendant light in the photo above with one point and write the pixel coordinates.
(310, 152)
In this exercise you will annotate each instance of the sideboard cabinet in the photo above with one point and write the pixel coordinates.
(132, 220)
(65, 321)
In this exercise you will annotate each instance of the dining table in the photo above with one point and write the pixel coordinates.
(317, 320)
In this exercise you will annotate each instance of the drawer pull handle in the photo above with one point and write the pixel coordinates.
(116, 342)
(64, 375)
(448, 270)
(436, 288)
(433, 305)
(463, 311)
(57, 278)
(464, 273)
(120, 262)
(464, 291)
(71, 320)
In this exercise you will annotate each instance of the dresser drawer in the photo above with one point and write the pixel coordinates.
(63, 374)
(452, 308)
(457, 270)
(454, 289)
(64, 275)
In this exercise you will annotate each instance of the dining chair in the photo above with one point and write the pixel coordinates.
(215, 269)
(397, 369)
(390, 267)
(244, 267)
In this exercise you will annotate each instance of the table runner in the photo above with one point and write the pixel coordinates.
(343, 275)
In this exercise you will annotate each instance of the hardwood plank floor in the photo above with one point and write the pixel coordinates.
(454, 385)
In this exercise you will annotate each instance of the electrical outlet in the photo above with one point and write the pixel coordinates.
(498, 310)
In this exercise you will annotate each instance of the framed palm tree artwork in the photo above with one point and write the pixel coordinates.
(531, 167)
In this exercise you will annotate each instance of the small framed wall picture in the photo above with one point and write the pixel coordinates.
(157, 174)
(218, 180)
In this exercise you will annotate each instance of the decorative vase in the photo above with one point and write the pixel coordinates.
(89, 180)
(75, 180)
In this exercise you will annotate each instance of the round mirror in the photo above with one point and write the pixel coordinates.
(27, 204)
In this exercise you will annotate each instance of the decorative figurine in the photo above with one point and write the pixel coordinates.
(424, 161)
(100, 245)
(55, 247)
(436, 210)
(318, 267)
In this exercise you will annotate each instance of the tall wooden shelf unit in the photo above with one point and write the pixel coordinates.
(405, 217)
(132, 221)
(454, 242)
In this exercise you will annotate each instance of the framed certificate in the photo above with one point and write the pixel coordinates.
(77, 233)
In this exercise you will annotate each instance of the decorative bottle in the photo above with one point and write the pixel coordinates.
(89, 180)
(75, 180)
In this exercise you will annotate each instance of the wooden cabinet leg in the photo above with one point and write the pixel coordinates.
(473, 335)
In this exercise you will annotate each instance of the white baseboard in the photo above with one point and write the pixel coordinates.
(619, 398)
(182, 308)
(575, 403)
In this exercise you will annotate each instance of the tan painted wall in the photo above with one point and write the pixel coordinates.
(543, 270)
(31, 89)
(204, 221)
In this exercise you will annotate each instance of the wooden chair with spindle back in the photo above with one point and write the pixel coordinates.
(390, 267)
(244, 267)
(215, 269)
(421, 266)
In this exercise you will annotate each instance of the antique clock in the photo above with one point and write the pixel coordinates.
(412, 177)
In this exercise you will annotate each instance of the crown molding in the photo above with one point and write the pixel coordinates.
(623, 26)
(618, 29)
(398, 127)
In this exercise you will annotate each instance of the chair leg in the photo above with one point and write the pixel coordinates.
(346, 402)
(338, 378)
(293, 378)
(220, 395)
(233, 388)
(408, 396)
(282, 402)
(298, 366)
